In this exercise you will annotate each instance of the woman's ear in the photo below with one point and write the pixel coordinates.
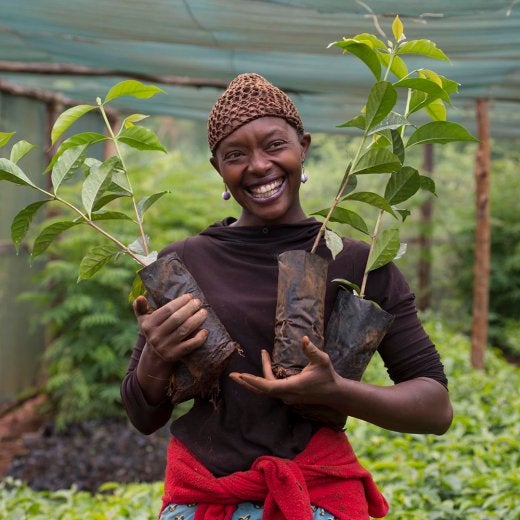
(214, 162)
(305, 142)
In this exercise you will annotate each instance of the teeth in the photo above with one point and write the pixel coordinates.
(266, 190)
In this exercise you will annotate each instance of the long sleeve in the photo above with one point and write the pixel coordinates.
(145, 417)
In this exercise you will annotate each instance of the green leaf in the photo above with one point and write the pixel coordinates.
(334, 242)
(5, 137)
(146, 202)
(397, 67)
(397, 29)
(96, 183)
(137, 289)
(345, 216)
(67, 118)
(386, 247)
(106, 198)
(422, 47)
(362, 51)
(436, 110)
(67, 165)
(85, 138)
(378, 160)
(398, 145)
(22, 221)
(403, 213)
(392, 122)
(120, 181)
(140, 138)
(427, 184)
(355, 122)
(9, 171)
(355, 288)
(440, 132)
(371, 40)
(20, 149)
(424, 85)
(402, 185)
(95, 259)
(110, 215)
(381, 100)
(372, 199)
(133, 118)
(132, 88)
(47, 235)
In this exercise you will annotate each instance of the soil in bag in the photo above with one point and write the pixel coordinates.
(197, 375)
(299, 310)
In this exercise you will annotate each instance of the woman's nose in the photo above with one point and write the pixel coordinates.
(259, 163)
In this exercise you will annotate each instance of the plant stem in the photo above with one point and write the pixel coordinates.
(372, 245)
(84, 217)
(337, 199)
(120, 155)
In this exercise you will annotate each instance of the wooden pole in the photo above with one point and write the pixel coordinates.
(479, 331)
(424, 265)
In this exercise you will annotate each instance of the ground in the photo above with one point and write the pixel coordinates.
(85, 455)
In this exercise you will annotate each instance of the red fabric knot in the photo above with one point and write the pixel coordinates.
(327, 474)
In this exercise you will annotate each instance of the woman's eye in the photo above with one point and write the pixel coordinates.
(277, 144)
(232, 155)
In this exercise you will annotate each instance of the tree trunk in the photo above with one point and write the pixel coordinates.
(424, 266)
(479, 332)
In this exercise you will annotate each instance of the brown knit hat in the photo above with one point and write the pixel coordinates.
(247, 97)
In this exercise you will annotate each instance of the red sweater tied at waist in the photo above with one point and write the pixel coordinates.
(326, 473)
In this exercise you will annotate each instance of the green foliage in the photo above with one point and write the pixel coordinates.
(504, 290)
(92, 333)
(470, 472)
(104, 181)
(91, 325)
(384, 121)
(112, 501)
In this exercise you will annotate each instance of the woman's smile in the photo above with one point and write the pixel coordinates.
(267, 192)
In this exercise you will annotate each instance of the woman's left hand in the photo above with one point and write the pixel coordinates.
(311, 386)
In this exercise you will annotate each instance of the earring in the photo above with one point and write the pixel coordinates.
(225, 194)
(304, 177)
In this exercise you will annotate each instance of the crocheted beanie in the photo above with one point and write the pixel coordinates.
(249, 96)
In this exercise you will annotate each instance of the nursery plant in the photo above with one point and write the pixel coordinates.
(104, 183)
(388, 124)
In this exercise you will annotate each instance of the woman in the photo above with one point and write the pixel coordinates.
(250, 453)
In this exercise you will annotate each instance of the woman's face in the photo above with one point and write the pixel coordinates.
(261, 164)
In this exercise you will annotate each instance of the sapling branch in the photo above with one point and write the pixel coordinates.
(374, 236)
(92, 224)
(120, 155)
(337, 199)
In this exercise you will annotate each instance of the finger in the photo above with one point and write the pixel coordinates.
(253, 383)
(164, 312)
(140, 306)
(314, 354)
(178, 318)
(267, 368)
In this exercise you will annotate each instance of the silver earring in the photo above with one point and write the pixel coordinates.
(304, 177)
(225, 194)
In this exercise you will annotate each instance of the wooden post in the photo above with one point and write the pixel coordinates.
(424, 265)
(479, 331)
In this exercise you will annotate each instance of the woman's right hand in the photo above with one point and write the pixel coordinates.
(172, 331)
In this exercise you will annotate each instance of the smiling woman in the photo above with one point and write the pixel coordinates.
(249, 451)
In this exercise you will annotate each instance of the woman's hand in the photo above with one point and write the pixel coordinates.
(171, 331)
(419, 405)
(311, 386)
